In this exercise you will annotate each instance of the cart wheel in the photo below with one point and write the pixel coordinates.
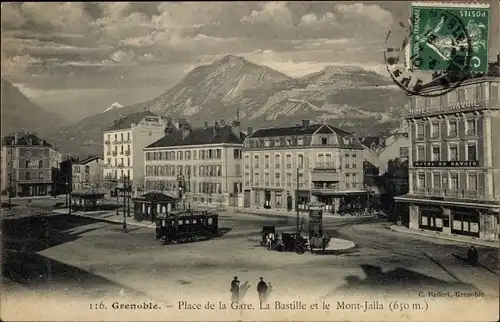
(300, 250)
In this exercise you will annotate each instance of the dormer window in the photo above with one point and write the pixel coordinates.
(288, 142)
(347, 141)
(300, 141)
(324, 141)
(277, 142)
(266, 143)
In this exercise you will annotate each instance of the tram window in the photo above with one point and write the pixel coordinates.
(209, 221)
(187, 221)
(172, 223)
(180, 222)
(194, 221)
(163, 223)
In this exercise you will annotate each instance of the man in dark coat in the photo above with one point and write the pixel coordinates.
(235, 289)
(262, 290)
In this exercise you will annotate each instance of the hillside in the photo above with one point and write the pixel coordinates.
(350, 97)
(19, 112)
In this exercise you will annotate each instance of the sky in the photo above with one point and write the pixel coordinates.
(78, 58)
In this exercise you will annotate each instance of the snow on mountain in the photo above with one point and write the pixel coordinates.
(115, 105)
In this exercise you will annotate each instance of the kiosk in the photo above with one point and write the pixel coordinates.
(316, 219)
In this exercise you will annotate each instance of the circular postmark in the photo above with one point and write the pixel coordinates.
(436, 48)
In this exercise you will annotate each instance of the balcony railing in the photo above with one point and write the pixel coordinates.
(450, 193)
(127, 152)
(114, 153)
(107, 142)
(325, 166)
(127, 141)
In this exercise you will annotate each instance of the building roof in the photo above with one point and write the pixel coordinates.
(296, 130)
(88, 192)
(369, 140)
(26, 139)
(127, 121)
(200, 136)
(89, 159)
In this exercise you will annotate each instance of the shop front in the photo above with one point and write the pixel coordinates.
(303, 199)
(465, 221)
(431, 217)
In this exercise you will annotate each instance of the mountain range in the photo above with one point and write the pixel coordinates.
(18, 113)
(352, 98)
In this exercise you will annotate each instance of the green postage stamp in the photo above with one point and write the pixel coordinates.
(449, 37)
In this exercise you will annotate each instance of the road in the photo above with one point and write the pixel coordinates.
(91, 259)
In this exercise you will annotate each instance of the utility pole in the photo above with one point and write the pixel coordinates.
(129, 191)
(124, 226)
(70, 185)
(117, 201)
(297, 201)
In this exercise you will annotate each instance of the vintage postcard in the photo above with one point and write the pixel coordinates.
(250, 161)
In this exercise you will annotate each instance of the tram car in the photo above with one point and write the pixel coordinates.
(186, 226)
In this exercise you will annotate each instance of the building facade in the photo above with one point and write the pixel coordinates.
(124, 142)
(26, 165)
(454, 160)
(87, 173)
(289, 167)
(203, 165)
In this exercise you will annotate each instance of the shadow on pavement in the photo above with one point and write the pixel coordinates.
(398, 281)
(465, 262)
(6, 205)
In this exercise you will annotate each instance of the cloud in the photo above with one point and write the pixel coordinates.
(17, 66)
(271, 12)
(67, 16)
(11, 16)
(121, 56)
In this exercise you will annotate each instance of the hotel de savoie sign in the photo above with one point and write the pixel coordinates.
(451, 108)
(445, 164)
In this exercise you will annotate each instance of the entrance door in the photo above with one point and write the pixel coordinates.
(431, 218)
(246, 199)
(267, 199)
(289, 203)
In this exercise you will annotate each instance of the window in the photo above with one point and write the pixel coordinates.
(257, 194)
(347, 179)
(452, 128)
(188, 155)
(202, 154)
(453, 153)
(121, 136)
(443, 100)
(471, 127)
(256, 179)
(128, 162)
(300, 141)
(493, 91)
(420, 153)
(277, 142)
(353, 160)
(289, 179)
(421, 180)
(218, 153)
(237, 154)
(277, 179)
(266, 162)
(301, 180)
(40, 164)
(471, 152)
(288, 142)
(478, 92)
(128, 136)
(210, 154)
(300, 161)
(324, 141)
(428, 102)
(420, 132)
(472, 182)
(436, 180)
(403, 153)
(256, 162)
(277, 161)
(454, 181)
(28, 176)
(346, 161)
(266, 179)
(435, 130)
(288, 161)
(436, 153)
(247, 162)
(277, 198)
(267, 143)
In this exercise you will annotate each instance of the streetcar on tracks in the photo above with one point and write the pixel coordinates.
(186, 226)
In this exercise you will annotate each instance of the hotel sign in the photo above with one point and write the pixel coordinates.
(451, 108)
(445, 164)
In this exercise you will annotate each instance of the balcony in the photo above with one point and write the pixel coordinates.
(127, 152)
(325, 171)
(325, 166)
(450, 193)
(115, 153)
(107, 142)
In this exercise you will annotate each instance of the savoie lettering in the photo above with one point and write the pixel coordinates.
(463, 105)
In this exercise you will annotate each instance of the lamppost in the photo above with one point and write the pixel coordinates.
(124, 224)
(297, 202)
(11, 173)
(67, 189)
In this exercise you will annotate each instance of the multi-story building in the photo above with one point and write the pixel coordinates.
(454, 160)
(203, 164)
(296, 165)
(87, 173)
(26, 165)
(124, 141)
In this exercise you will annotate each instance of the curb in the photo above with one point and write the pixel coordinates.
(444, 237)
(113, 221)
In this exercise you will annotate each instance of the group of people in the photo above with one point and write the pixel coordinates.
(263, 289)
(270, 239)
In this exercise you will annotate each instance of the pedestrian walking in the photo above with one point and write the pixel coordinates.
(235, 289)
(262, 290)
(270, 240)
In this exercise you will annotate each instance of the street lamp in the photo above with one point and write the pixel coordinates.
(124, 224)
(67, 189)
(117, 201)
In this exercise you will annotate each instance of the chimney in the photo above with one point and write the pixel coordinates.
(205, 125)
(236, 128)
(249, 130)
(186, 129)
(41, 142)
(305, 123)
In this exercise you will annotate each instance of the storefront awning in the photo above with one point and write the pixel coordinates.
(454, 203)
